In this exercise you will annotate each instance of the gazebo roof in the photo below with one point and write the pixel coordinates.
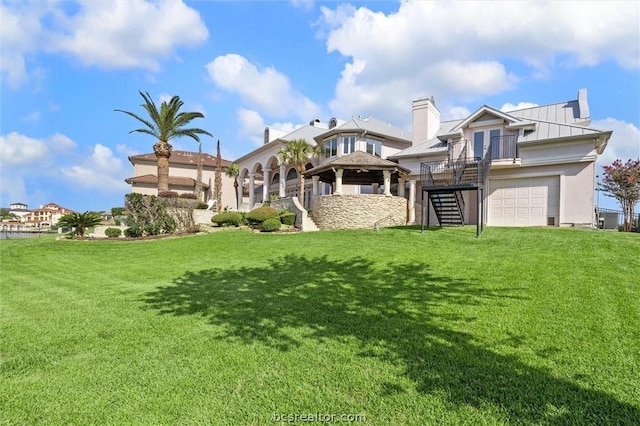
(359, 168)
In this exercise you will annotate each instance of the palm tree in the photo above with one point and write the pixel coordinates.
(164, 125)
(233, 171)
(80, 221)
(298, 153)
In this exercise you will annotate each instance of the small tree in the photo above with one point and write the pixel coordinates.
(622, 182)
(80, 221)
(233, 171)
(298, 153)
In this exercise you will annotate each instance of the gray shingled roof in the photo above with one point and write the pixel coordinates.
(306, 132)
(371, 125)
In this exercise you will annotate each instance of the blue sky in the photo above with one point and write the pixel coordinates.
(66, 65)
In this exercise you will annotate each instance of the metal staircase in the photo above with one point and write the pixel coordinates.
(449, 207)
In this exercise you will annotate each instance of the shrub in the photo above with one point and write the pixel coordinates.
(188, 195)
(259, 215)
(113, 232)
(228, 219)
(168, 194)
(151, 215)
(271, 225)
(201, 206)
(288, 218)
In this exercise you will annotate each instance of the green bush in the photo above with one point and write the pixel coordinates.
(271, 225)
(201, 206)
(288, 218)
(228, 219)
(168, 194)
(259, 215)
(113, 232)
(188, 195)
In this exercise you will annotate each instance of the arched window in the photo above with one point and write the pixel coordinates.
(266, 135)
(308, 166)
(333, 123)
(292, 174)
(276, 178)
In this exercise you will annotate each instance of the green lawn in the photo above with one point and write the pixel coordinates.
(522, 326)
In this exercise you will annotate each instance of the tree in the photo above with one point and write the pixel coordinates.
(298, 153)
(166, 124)
(233, 171)
(199, 174)
(217, 180)
(5, 214)
(80, 221)
(622, 181)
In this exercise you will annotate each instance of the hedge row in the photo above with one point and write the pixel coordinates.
(264, 217)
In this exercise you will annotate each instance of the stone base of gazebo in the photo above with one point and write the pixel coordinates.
(367, 211)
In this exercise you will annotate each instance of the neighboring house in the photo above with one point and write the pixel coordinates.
(47, 215)
(530, 167)
(183, 171)
(21, 210)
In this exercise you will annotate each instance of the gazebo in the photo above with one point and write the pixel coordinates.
(357, 168)
(339, 210)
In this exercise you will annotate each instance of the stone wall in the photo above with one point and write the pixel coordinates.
(359, 211)
(303, 222)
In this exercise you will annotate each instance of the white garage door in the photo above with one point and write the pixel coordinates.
(524, 201)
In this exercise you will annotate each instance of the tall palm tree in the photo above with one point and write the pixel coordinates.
(164, 125)
(233, 171)
(298, 153)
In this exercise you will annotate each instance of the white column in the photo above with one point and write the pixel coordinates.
(315, 180)
(283, 181)
(266, 183)
(240, 191)
(251, 190)
(338, 188)
(387, 182)
(400, 187)
(412, 201)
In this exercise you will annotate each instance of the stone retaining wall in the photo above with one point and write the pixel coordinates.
(359, 211)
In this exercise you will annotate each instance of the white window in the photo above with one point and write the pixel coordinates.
(331, 148)
(348, 144)
(374, 147)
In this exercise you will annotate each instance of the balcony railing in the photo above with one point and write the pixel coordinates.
(504, 147)
(464, 172)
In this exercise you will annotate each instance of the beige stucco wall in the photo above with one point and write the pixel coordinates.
(577, 186)
(358, 211)
(208, 177)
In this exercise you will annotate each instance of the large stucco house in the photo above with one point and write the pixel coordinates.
(183, 172)
(529, 167)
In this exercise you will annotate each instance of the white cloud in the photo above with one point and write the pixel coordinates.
(441, 48)
(120, 34)
(264, 89)
(521, 105)
(102, 171)
(19, 150)
(624, 143)
(128, 34)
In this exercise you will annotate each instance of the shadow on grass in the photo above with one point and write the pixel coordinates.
(395, 312)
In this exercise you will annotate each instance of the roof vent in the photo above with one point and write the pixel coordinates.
(314, 122)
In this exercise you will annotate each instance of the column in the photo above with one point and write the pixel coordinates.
(283, 181)
(387, 182)
(251, 190)
(315, 180)
(240, 182)
(266, 183)
(412, 201)
(400, 187)
(338, 188)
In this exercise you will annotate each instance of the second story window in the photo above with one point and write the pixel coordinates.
(331, 148)
(374, 147)
(348, 144)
